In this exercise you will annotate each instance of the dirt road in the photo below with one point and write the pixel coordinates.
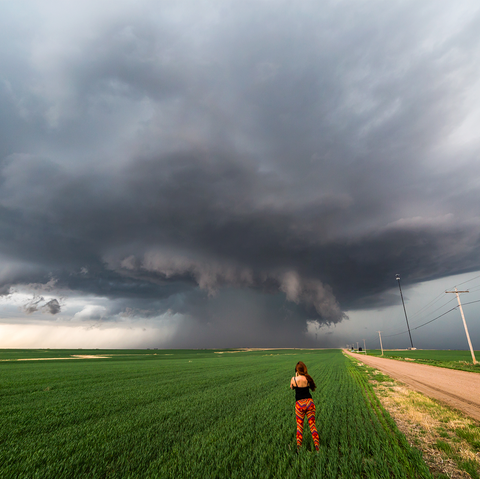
(459, 389)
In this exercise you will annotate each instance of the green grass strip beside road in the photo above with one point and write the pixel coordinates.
(194, 414)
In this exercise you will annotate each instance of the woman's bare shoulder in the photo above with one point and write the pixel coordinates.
(302, 381)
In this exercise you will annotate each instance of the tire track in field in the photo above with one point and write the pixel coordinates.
(458, 389)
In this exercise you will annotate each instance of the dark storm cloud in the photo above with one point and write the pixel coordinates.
(236, 318)
(270, 151)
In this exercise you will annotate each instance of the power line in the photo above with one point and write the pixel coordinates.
(432, 320)
(471, 302)
(437, 298)
(396, 334)
(468, 281)
(441, 315)
(440, 307)
(424, 324)
(428, 304)
(475, 288)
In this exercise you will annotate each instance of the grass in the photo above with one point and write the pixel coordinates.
(162, 414)
(471, 434)
(451, 359)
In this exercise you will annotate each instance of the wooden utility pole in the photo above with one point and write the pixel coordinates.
(380, 336)
(464, 322)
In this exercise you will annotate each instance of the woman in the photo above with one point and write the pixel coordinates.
(302, 382)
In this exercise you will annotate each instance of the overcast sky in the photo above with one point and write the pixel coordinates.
(222, 174)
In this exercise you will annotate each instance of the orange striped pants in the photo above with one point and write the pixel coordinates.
(302, 407)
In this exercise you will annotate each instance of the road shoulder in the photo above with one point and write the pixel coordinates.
(449, 440)
(457, 389)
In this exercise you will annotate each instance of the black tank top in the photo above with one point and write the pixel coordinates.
(301, 393)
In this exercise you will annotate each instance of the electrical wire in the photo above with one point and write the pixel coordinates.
(468, 281)
(424, 324)
(473, 289)
(434, 300)
(440, 307)
(437, 298)
(396, 334)
(471, 302)
(438, 317)
(432, 320)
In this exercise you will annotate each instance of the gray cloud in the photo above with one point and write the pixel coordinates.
(172, 161)
(39, 303)
(32, 306)
(52, 307)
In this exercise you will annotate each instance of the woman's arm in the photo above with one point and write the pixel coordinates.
(291, 383)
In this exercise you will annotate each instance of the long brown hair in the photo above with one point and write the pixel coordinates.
(301, 369)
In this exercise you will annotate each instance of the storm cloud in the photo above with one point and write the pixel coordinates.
(260, 164)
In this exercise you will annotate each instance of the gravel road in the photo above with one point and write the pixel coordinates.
(459, 389)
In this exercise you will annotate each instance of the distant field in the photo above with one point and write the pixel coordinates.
(452, 359)
(189, 414)
(61, 353)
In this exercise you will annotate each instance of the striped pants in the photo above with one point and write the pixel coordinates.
(302, 407)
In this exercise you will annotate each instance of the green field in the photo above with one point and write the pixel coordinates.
(192, 414)
(61, 353)
(452, 359)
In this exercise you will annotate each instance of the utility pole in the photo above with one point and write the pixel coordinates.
(364, 347)
(397, 277)
(464, 322)
(380, 336)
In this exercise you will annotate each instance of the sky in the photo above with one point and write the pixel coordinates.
(212, 174)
